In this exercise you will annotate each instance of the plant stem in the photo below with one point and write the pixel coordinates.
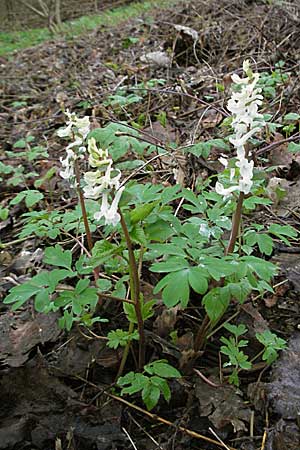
(83, 209)
(236, 220)
(125, 352)
(202, 333)
(135, 292)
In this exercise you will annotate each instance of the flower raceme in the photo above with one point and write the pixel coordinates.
(99, 183)
(77, 129)
(247, 121)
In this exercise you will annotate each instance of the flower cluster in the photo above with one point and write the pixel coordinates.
(101, 182)
(246, 122)
(77, 130)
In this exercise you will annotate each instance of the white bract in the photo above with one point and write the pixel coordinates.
(246, 122)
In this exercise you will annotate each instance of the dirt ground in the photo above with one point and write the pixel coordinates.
(54, 385)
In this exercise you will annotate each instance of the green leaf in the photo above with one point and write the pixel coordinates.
(102, 251)
(42, 301)
(177, 289)
(240, 290)
(216, 302)
(119, 138)
(160, 230)
(18, 198)
(140, 212)
(162, 369)
(166, 249)
(4, 213)
(199, 201)
(292, 116)
(21, 143)
(265, 243)
(218, 267)
(32, 198)
(252, 202)
(138, 235)
(68, 316)
(197, 280)
(56, 256)
(163, 387)
(237, 330)
(137, 381)
(6, 168)
(293, 147)
(282, 230)
(121, 338)
(104, 284)
(126, 379)
(173, 264)
(150, 396)
(264, 269)
(20, 294)
(82, 285)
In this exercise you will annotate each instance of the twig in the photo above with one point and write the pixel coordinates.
(219, 439)
(131, 441)
(191, 433)
(210, 383)
(269, 147)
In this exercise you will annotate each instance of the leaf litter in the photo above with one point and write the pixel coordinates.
(192, 46)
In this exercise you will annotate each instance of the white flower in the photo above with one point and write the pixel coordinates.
(246, 67)
(97, 156)
(246, 122)
(223, 160)
(75, 127)
(110, 213)
(225, 192)
(68, 165)
(240, 141)
(65, 132)
(97, 183)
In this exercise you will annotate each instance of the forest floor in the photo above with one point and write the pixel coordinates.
(54, 384)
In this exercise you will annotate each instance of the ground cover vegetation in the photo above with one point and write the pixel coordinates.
(109, 16)
(150, 233)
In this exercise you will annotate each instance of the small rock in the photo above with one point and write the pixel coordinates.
(159, 59)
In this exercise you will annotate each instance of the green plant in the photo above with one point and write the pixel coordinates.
(272, 344)
(232, 349)
(3, 213)
(194, 242)
(269, 82)
(151, 383)
(31, 198)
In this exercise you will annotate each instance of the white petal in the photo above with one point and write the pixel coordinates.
(225, 192)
